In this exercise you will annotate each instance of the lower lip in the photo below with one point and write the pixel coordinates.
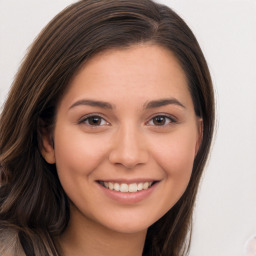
(128, 197)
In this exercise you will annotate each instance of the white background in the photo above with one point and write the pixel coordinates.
(225, 214)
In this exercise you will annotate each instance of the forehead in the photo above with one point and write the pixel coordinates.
(139, 71)
(137, 59)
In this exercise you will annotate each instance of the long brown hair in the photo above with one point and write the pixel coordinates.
(33, 206)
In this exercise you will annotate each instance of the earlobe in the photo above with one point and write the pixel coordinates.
(200, 126)
(47, 149)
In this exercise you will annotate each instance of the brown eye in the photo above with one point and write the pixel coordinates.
(161, 120)
(94, 121)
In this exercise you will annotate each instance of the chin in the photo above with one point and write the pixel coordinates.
(130, 225)
(129, 228)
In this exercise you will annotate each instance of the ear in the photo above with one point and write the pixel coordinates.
(47, 149)
(200, 127)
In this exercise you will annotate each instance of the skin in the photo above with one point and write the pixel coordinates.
(128, 143)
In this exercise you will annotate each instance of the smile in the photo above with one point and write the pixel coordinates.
(124, 188)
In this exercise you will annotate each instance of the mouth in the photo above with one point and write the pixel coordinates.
(125, 188)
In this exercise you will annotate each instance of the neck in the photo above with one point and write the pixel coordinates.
(85, 237)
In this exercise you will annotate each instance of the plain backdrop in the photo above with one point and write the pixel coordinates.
(225, 213)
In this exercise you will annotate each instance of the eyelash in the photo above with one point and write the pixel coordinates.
(85, 120)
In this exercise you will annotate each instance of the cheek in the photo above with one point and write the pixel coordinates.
(175, 155)
(78, 154)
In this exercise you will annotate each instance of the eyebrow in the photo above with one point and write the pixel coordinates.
(163, 102)
(148, 105)
(93, 103)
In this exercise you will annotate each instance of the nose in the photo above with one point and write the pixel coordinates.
(129, 148)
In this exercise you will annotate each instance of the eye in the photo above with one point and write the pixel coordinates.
(161, 120)
(94, 121)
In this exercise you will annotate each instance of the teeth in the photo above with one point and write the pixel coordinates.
(145, 185)
(133, 187)
(110, 185)
(124, 188)
(116, 187)
(140, 186)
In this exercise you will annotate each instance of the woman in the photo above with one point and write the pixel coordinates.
(105, 134)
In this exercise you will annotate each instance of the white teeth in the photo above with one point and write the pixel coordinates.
(116, 187)
(110, 185)
(145, 185)
(133, 187)
(124, 188)
(140, 186)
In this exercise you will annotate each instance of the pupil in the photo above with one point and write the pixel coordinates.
(159, 120)
(94, 120)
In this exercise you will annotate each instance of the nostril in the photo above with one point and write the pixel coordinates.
(129, 147)
(128, 158)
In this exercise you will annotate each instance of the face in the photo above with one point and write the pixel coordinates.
(125, 138)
